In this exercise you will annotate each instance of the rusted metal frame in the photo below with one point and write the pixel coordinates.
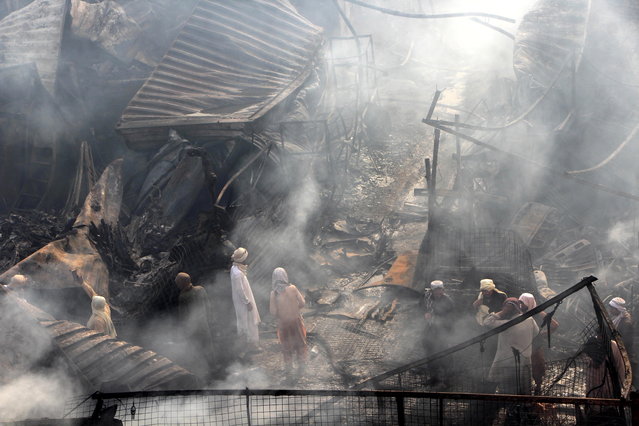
(356, 136)
(367, 394)
(460, 125)
(602, 315)
(482, 337)
(524, 114)
(302, 122)
(327, 150)
(458, 146)
(432, 184)
(549, 170)
(242, 170)
(433, 104)
(350, 27)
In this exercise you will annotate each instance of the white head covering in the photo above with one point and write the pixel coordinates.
(620, 305)
(98, 303)
(486, 284)
(528, 300)
(98, 307)
(239, 255)
(280, 280)
(18, 280)
(437, 284)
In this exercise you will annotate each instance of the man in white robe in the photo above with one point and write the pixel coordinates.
(511, 365)
(245, 309)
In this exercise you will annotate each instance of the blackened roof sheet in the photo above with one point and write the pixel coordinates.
(100, 358)
(232, 62)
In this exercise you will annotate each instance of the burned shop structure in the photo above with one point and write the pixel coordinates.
(474, 262)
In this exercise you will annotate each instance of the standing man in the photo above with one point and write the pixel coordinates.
(511, 365)
(538, 355)
(439, 316)
(439, 305)
(510, 370)
(245, 309)
(490, 296)
(622, 320)
(286, 304)
(193, 309)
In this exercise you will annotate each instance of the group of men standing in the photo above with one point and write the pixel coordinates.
(286, 303)
(513, 355)
(519, 359)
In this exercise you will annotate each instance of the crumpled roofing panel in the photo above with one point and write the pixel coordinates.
(231, 63)
(33, 34)
(548, 36)
(100, 358)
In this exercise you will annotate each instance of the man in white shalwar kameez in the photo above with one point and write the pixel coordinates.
(245, 309)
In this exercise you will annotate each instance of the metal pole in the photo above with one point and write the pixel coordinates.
(401, 418)
(248, 407)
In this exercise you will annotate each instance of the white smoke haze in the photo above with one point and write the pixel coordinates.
(413, 58)
(242, 376)
(36, 395)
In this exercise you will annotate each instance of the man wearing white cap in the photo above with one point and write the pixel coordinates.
(490, 296)
(440, 311)
(439, 305)
(245, 309)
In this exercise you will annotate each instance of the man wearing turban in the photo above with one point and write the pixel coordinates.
(245, 309)
(622, 320)
(490, 296)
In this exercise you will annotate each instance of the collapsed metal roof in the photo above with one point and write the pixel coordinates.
(100, 359)
(33, 34)
(231, 64)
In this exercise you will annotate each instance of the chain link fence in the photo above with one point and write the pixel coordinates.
(331, 407)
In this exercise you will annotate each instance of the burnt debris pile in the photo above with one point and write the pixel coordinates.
(140, 139)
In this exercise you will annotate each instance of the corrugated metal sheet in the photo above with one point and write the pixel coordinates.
(97, 358)
(8, 6)
(101, 359)
(33, 34)
(232, 62)
(548, 37)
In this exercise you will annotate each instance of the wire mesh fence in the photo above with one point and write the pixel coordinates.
(470, 256)
(319, 407)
